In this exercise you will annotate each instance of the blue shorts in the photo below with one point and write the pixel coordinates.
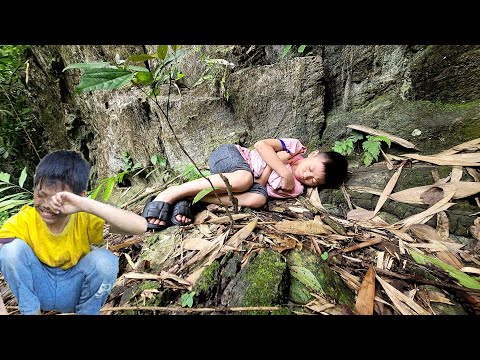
(226, 158)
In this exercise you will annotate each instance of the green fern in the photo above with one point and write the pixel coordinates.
(372, 147)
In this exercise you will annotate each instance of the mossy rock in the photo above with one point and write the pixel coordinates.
(261, 282)
(159, 248)
(326, 281)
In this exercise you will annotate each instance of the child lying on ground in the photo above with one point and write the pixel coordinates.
(275, 168)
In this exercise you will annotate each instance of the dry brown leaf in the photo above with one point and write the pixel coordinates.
(310, 227)
(360, 214)
(196, 244)
(298, 210)
(435, 175)
(427, 233)
(474, 174)
(426, 215)
(315, 199)
(435, 296)
(226, 219)
(284, 244)
(471, 270)
(242, 234)
(443, 225)
(413, 195)
(470, 159)
(457, 173)
(393, 138)
(432, 195)
(475, 229)
(366, 294)
(403, 303)
(449, 258)
(365, 189)
(387, 160)
(203, 216)
(463, 146)
(388, 190)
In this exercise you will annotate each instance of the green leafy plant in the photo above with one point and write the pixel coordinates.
(345, 147)
(13, 196)
(371, 146)
(216, 72)
(187, 299)
(190, 172)
(20, 136)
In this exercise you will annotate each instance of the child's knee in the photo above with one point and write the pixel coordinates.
(256, 201)
(12, 251)
(104, 262)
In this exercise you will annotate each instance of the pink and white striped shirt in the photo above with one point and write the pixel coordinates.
(257, 164)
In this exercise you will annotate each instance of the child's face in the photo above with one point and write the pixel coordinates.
(41, 200)
(310, 171)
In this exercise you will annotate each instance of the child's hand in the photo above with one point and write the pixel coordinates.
(288, 183)
(284, 156)
(65, 202)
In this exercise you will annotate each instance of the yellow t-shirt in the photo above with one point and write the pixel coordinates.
(56, 250)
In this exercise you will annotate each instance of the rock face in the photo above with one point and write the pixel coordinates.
(394, 88)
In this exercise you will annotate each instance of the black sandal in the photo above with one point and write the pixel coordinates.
(182, 207)
(158, 210)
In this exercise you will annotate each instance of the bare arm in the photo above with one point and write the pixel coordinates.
(121, 221)
(283, 156)
(267, 149)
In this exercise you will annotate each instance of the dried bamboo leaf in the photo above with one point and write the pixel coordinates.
(403, 303)
(474, 174)
(432, 195)
(450, 259)
(424, 216)
(475, 229)
(388, 189)
(365, 189)
(302, 227)
(413, 195)
(457, 173)
(471, 270)
(387, 160)
(366, 294)
(360, 214)
(443, 225)
(470, 159)
(460, 147)
(393, 138)
(196, 244)
(226, 219)
(242, 234)
(315, 199)
(435, 296)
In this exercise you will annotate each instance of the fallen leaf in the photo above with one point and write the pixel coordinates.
(284, 244)
(471, 270)
(403, 303)
(366, 294)
(226, 219)
(469, 159)
(196, 244)
(393, 138)
(460, 147)
(242, 234)
(360, 214)
(457, 173)
(432, 195)
(388, 190)
(443, 225)
(310, 227)
(413, 195)
(437, 297)
(475, 229)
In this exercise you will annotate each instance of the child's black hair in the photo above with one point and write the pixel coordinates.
(64, 168)
(335, 168)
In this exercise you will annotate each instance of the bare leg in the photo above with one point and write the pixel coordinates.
(247, 199)
(240, 180)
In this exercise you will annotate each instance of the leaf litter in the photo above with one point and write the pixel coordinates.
(384, 264)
